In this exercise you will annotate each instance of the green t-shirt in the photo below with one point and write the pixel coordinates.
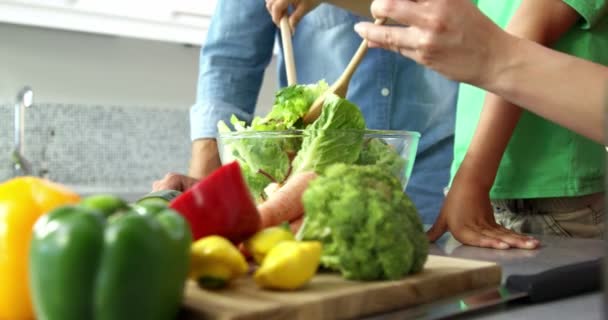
(542, 159)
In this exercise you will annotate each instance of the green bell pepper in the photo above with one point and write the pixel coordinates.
(104, 260)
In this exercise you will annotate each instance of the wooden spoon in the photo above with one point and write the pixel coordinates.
(290, 64)
(340, 87)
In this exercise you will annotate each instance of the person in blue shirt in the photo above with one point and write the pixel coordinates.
(392, 92)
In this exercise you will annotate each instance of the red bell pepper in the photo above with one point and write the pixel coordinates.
(220, 204)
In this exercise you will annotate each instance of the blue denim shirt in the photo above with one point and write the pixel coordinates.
(393, 92)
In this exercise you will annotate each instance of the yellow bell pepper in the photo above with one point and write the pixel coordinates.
(22, 201)
(261, 242)
(289, 265)
(215, 261)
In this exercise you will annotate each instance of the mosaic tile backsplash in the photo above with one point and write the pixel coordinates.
(99, 148)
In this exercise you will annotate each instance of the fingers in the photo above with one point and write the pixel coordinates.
(166, 183)
(494, 237)
(474, 237)
(438, 229)
(404, 12)
(399, 39)
(512, 238)
(277, 9)
(297, 15)
(173, 181)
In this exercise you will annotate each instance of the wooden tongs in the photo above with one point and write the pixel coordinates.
(340, 87)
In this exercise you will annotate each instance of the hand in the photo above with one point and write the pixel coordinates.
(467, 213)
(174, 181)
(450, 36)
(278, 8)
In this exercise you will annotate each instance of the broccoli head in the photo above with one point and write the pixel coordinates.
(369, 228)
(377, 151)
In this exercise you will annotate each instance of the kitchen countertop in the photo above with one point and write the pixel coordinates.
(554, 252)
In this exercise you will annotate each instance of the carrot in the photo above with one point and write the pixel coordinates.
(285, 204)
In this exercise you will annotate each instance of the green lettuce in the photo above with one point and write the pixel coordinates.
(256, 182)
(263, 160)
(290, 105)
(268, 159)
(377, 152)
(335, 137)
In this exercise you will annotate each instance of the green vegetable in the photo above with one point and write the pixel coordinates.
(290, 105)
(102, 260)
(369, 228)
(267, 160)
(256, 182)
(263, 159)
(161, 197)
(105, 203)
(376, 151)
(335, 137)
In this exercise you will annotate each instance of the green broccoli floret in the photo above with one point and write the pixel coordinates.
(369, 228)
(376, 151)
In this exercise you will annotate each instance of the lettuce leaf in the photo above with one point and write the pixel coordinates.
(335, 137)
(263, 159)
(268, 159)
(290, 105)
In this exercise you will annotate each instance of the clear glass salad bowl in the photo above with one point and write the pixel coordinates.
(272, 156)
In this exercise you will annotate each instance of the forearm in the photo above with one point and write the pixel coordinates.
(497, 122)
(537, 82)
(559, 87)
(205, 158)
(232, 64)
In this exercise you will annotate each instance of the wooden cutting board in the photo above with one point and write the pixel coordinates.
(328, 296)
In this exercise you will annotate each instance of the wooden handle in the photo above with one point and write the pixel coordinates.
(340, 87)
(290, 64)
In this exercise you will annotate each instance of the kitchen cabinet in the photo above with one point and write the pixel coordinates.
(178, 21)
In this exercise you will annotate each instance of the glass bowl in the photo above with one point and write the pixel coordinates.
(269, 157)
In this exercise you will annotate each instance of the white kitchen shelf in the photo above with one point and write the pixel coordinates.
(181, 21)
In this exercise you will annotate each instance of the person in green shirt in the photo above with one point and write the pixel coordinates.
(550, 179)
(542, 178)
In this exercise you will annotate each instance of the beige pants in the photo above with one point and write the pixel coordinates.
(578, 217)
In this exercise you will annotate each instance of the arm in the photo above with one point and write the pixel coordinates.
(534, 78)
(543, 21)
(232, 64)
(205, 158)
(457, 40)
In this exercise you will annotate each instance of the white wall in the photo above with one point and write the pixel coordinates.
(79, 68)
